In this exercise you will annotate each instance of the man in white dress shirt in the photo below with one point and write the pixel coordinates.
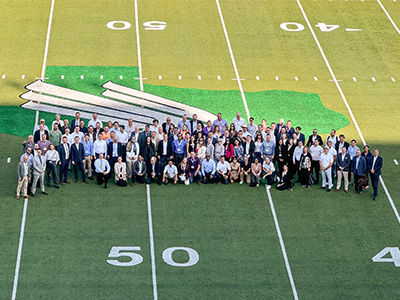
(326, 162)
(238, 121)
(102, 168)
(99, 146)
(170, 173)
(94, 121)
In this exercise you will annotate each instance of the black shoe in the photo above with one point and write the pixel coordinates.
(106, 187)
(33, 195)
(76, 181)
(374, 198)
(86, 182)
(321, 188)
(328, 190)
(57, 187)
(44, 193)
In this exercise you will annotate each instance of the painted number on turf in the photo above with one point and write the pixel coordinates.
(122, 25)
(154, 25)
(293, 26)
(394, 253)
(115, 252)
(136, 259)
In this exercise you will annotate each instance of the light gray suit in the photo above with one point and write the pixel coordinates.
(39, 163)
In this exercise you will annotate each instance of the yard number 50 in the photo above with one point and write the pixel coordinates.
(136, 259)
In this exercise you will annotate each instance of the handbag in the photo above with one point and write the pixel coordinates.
(363, 181)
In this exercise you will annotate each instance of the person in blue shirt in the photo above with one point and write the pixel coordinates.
(102, 168)
(358, 169)
(208, 169)
(179, 149)
(89, 153)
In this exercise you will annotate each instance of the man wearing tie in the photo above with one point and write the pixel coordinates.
(39, 168)
(358, 169)
(375, 166)
(102, 168)
(64, 152)
(164, 150)
(78, 159)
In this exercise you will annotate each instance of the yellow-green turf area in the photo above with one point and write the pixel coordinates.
(329, 238)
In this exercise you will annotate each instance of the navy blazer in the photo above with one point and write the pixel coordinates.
(77, 155)
(378, 165)
(61, 152)
(110, 149)
(161, 147)
(362, 166)
(343, 163)
(310, 140)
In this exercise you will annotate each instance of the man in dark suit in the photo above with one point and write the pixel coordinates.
(139, 171)
(114, 150)
(77, 121)
(313, 137)
(194, 122)
(248, 147)
(64, 152)
(164, 150)
(374, 168)
(300, 136)
(341, 143)
(166, 126)
(358, 169)
(154, 171)
(78, 159)
(143, 135)
(37, 136)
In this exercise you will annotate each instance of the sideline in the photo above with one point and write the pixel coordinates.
(153, 260)
(388, 16)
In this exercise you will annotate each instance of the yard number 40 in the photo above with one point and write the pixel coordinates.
(136, 259)
(395, 256)
(292, 26)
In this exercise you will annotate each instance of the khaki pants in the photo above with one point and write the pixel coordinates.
(88, 165)
(248, 177)
(129, 168)
(22, 184)
(38, 177)
(339, 179)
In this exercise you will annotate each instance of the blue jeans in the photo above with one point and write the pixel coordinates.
(208, 177)
(197, 177)
(220, 178)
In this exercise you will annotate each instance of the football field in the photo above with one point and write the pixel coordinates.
(326, 64)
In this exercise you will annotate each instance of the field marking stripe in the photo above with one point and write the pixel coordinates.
(278, 230)
(153, 259)
(19, 254)
(346, 103)
(46, 51)
(388, 16)
(138, 46)
(233, 60)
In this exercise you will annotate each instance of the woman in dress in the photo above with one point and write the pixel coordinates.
(235, 170)
(305, 167)
(191, 146)
(201, 152)
(238, 150)
(281, 155)
(228, 150)
(290, 151)
(258, 146)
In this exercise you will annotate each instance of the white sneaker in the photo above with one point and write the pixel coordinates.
(257, 185)
(241, 182)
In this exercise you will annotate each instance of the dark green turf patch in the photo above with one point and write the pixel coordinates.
(304, 109)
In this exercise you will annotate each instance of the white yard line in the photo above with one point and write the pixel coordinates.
(21, 241)
(153, 259)
(46, 51)
(346, 103)
(278, 230)
(138, 46)
(152, 256)
(233, 60)
(388, 16)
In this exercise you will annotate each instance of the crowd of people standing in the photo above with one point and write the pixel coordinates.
(192, 151)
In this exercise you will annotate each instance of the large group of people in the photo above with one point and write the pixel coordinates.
(192, 151)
